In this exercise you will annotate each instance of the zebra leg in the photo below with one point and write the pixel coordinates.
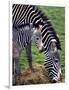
(15, 63)
(16, 66)
(29, 55)
(16, 70)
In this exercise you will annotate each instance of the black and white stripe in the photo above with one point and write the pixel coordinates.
(23, 14)
(22, 35)
(49, 36)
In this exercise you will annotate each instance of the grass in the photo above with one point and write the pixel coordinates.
(57, 17)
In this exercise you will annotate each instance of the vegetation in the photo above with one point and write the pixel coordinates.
(57, 17)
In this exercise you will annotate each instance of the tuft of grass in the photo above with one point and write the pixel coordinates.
(57, 17)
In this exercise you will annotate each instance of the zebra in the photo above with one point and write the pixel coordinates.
(23, 14)
(23, 36)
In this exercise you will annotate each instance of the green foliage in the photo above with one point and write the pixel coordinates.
(57, 17)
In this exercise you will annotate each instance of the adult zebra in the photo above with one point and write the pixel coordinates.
(23, 14)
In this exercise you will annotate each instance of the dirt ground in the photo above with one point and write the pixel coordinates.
(39, 76)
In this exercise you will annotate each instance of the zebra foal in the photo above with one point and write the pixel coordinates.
(22, 38)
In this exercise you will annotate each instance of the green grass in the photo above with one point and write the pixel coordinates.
(57, 17)
(37, 57)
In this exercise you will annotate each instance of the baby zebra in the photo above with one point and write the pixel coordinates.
(22, 37)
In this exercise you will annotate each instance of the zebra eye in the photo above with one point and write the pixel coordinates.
(56, 60)
(37, 38)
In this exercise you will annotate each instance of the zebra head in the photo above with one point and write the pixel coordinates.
(51, 46)
(37, 38)
(52, 63)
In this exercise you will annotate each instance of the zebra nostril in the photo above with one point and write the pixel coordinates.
(40, 51)
(53, 81)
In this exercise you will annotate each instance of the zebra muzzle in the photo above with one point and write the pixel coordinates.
(56, 79)
(41, 50)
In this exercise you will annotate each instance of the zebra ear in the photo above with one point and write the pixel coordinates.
(40, 28)
(35, 30)
(31, 25)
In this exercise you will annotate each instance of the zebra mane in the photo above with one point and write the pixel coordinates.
(54, 32)
(46, 20)
(23, 25)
